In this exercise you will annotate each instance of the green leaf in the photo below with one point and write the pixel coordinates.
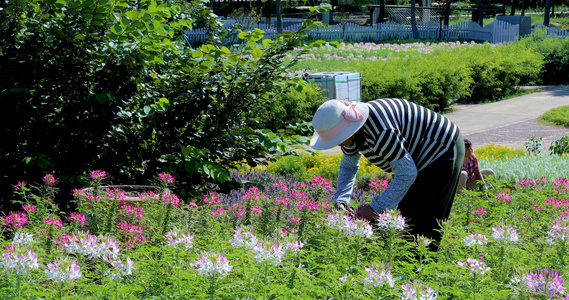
(335, 44)
(185, 151)
(243, 35)
(158, 27)
(152, 7)
(169, 43)
(117, 29)
(101, 98)
(225, 50)
(257, 52)
(132, 14)
(208, 48)
(268, 42)
(197, 54)
(125, 22)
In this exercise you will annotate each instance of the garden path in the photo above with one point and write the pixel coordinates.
(508, 122)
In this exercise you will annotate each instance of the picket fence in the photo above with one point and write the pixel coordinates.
(552, 32)
(495, 32)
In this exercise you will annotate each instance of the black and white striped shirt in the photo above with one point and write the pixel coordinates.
(395, 126)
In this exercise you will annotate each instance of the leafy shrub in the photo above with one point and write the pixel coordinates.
(108, 84)
(293, 107)
(430, 80)
(434, 76)
(555, 54)
(560, 146)
(70, 72)
(498, 69)
(493, 152)
(557, 116)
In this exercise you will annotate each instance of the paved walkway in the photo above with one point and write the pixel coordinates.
(508, 122)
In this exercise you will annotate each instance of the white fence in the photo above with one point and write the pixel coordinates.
(495, 32)
(553, 32)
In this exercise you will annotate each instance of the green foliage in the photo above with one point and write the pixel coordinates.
(557, 116)
(555, 54)
(433, 75)
(293, 107)
(218, 102)
(71, 73)
(104, 84)
(498, 69)
(430, 80)
(560, 146)
(534, 145)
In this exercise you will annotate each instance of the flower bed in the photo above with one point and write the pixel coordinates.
(280, 238)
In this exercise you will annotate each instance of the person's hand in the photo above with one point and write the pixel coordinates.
(368, 213)
(348, 210)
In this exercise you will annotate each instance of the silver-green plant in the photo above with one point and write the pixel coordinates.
(517, 168)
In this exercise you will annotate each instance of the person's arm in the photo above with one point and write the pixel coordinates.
(405, 174)
(346, 178)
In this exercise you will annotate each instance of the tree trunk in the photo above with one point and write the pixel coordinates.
(279, 16)
(447, 12)
(513, 11)
(524, 7)
(259, 7)
(414, 21)
(269, 11)
(480, 12)
(546, 12)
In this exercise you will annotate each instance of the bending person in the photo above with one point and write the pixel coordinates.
(424, 150)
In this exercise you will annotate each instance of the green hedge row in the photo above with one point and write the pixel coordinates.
(466, 74)
(474, 74)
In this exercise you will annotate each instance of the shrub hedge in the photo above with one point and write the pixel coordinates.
(467, 74)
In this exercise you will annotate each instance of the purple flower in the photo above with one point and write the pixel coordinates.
(545, 281)
(180, 241)
(379, 275)
(417, 291)
(475, 239)
(210, 264)
(63, 270)
(505, 234)
(475, 266)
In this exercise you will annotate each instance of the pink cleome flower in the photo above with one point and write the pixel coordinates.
(380, 184)
(480, 211)
(49, 179)
(16, 220)
(165, 178)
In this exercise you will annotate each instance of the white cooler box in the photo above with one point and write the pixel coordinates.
(339, 85)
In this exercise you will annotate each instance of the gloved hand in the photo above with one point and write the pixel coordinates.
(367, 213)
